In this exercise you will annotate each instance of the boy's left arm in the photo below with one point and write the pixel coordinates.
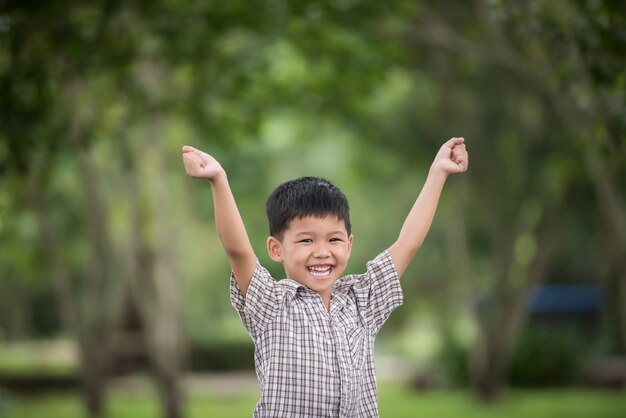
(452, 158)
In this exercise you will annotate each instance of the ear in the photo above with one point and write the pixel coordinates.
(349, 245)
(274, 249)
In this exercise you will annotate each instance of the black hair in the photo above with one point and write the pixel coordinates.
(306, 196)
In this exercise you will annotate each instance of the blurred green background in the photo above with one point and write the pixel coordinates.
(114, 285)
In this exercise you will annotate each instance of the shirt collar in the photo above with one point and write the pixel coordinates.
(294, 289)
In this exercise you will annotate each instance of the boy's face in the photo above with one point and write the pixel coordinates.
(314, 252)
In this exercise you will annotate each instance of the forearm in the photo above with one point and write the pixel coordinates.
(232, 232)
(228, 222)
(418, 221)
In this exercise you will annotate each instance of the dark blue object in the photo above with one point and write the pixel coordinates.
(566, 298)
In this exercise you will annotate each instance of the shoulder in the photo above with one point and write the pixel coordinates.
(381, 265)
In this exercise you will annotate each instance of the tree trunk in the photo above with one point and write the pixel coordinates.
(96, 336)
(502, 324)
(490, 379)
(167, 330)
(616, 305)
(153, 284)
(491, 356)
(612, 207)
(92, 383)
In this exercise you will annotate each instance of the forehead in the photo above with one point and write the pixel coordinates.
(318, 225)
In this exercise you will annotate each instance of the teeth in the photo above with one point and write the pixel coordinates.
(320, 270)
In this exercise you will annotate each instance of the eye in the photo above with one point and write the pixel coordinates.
(336, 240)
(306, 241)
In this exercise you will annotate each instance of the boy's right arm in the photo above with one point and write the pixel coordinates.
(230, 226)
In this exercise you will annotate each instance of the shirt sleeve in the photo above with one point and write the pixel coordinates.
(378, 291)
(258, 306)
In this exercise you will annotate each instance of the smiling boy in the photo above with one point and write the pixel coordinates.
(314, 331)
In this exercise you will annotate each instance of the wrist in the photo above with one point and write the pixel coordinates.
(438, 171)
(219, 178)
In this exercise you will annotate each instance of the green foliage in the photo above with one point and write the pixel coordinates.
(454, 360)
(549, 357)
(361, 92)
(222, 356)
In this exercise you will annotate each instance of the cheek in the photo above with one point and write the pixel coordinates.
(344, 255)
(298, 255)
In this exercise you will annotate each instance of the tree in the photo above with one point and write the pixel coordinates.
(564, 56)
(79, 77)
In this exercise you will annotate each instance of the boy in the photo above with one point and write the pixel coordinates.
(314, 334)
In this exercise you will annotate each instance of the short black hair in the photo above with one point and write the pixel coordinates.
(303, 197)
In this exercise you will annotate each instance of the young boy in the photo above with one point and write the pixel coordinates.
(313, 332)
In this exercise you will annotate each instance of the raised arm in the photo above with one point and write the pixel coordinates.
(452, 158)
(230, 226)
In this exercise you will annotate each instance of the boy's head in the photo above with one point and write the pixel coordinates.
(310, 232)
(302, 198)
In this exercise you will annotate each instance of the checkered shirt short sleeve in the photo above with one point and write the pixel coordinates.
(377, 291)
(259, 306)
(314, 362)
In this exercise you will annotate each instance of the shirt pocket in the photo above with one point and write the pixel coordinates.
(356, 338)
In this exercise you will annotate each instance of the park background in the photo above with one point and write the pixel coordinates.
(114, 285)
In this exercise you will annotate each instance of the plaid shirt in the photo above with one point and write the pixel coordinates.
(312, 362)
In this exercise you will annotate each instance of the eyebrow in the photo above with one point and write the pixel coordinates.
(338, 231)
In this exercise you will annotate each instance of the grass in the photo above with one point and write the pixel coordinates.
(44, 358)
(398, 402)
(395, 402)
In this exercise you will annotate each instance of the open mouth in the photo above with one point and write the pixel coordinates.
(320, 271)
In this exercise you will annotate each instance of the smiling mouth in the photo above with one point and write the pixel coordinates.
(320, 271)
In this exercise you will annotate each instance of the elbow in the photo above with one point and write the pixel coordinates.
(235, 249)
(239, 253)
(235, 253)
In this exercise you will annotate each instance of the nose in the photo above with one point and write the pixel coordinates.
(321, 251)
